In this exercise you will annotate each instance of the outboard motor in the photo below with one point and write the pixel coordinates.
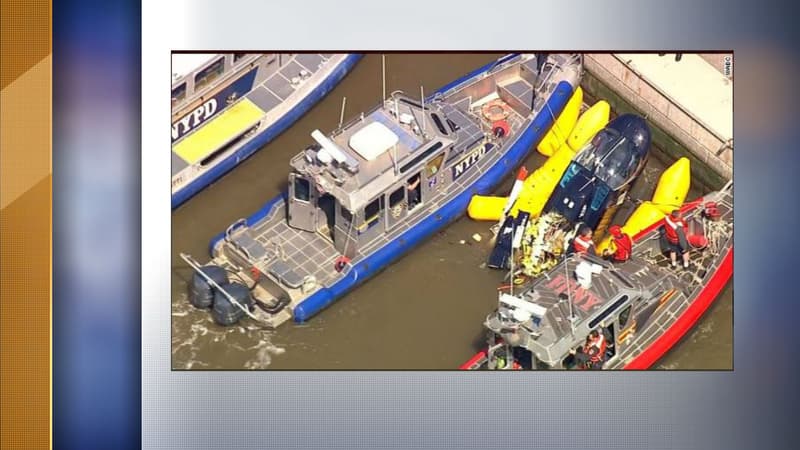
(201, 294)
(226, 313)
(600, 175)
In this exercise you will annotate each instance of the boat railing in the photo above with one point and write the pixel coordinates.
(340, 129)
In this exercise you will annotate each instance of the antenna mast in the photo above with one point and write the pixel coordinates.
(383, 67)
(422, 98)
(341, 115)
(569, 296)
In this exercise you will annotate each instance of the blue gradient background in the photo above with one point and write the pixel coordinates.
(96, 232)
(96, 304)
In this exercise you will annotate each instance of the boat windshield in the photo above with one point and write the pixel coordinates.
(611, 157)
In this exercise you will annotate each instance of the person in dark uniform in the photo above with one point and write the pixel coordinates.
(583, 242)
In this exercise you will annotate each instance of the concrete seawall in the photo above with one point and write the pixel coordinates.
(688, 103)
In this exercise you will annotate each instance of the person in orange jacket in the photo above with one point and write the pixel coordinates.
(583, 242)
(623, 245)
(675, 229)
(592, 354)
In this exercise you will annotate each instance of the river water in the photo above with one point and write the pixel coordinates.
(423, 312)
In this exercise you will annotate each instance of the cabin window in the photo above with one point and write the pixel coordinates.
(397, 197)
(238, 56)
(346, 215)
(593, 323)
(432, 168)
(302, 189)
(426, 153)
(624, 316)
(372, 211)
(179, 93)
(209, 74)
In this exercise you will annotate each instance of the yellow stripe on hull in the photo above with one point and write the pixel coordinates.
(218, 131)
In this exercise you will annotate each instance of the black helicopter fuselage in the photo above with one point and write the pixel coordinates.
(598, 178)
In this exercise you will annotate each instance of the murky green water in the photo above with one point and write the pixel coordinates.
(423, 312)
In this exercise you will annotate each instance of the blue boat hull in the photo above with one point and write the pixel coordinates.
(267, 135)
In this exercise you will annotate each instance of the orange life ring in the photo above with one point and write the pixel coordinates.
(341, 263)
(496, 110)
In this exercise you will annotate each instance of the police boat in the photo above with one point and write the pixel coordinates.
(227, 106)
(639, 308)
(366, 193)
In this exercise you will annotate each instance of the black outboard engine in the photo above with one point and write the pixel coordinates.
(600, 175)
(225, 312)
(201, 293)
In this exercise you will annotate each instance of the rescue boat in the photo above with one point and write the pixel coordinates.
(227, 106)
(363, 195)
(640, 307)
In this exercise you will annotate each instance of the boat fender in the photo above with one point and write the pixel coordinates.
(256, 275)
(500, 128)
(712, 212)
(201, 294)
(341, 263)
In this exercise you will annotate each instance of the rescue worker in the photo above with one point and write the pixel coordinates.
(592, 354)
(413, 191)
(623, 245)
(583, 243)
(675, 229)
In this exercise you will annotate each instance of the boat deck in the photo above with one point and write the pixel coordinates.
(308, 254)
(704, 263)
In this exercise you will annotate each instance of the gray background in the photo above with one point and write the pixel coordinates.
(749, 408)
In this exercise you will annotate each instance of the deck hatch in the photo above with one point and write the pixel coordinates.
(220, 130)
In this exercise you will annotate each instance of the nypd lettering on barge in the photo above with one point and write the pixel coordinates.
(190, 121)
(468, 161)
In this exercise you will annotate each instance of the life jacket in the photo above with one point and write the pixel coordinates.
(671, 229)
(581, 245)
(601, 345)
(623, 247)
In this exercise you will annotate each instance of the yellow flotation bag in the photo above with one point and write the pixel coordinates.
(539, 186)
(563, 125)
(589, 123)
(671, 191)
(484, 207)
(643, 216)
(673, 186)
